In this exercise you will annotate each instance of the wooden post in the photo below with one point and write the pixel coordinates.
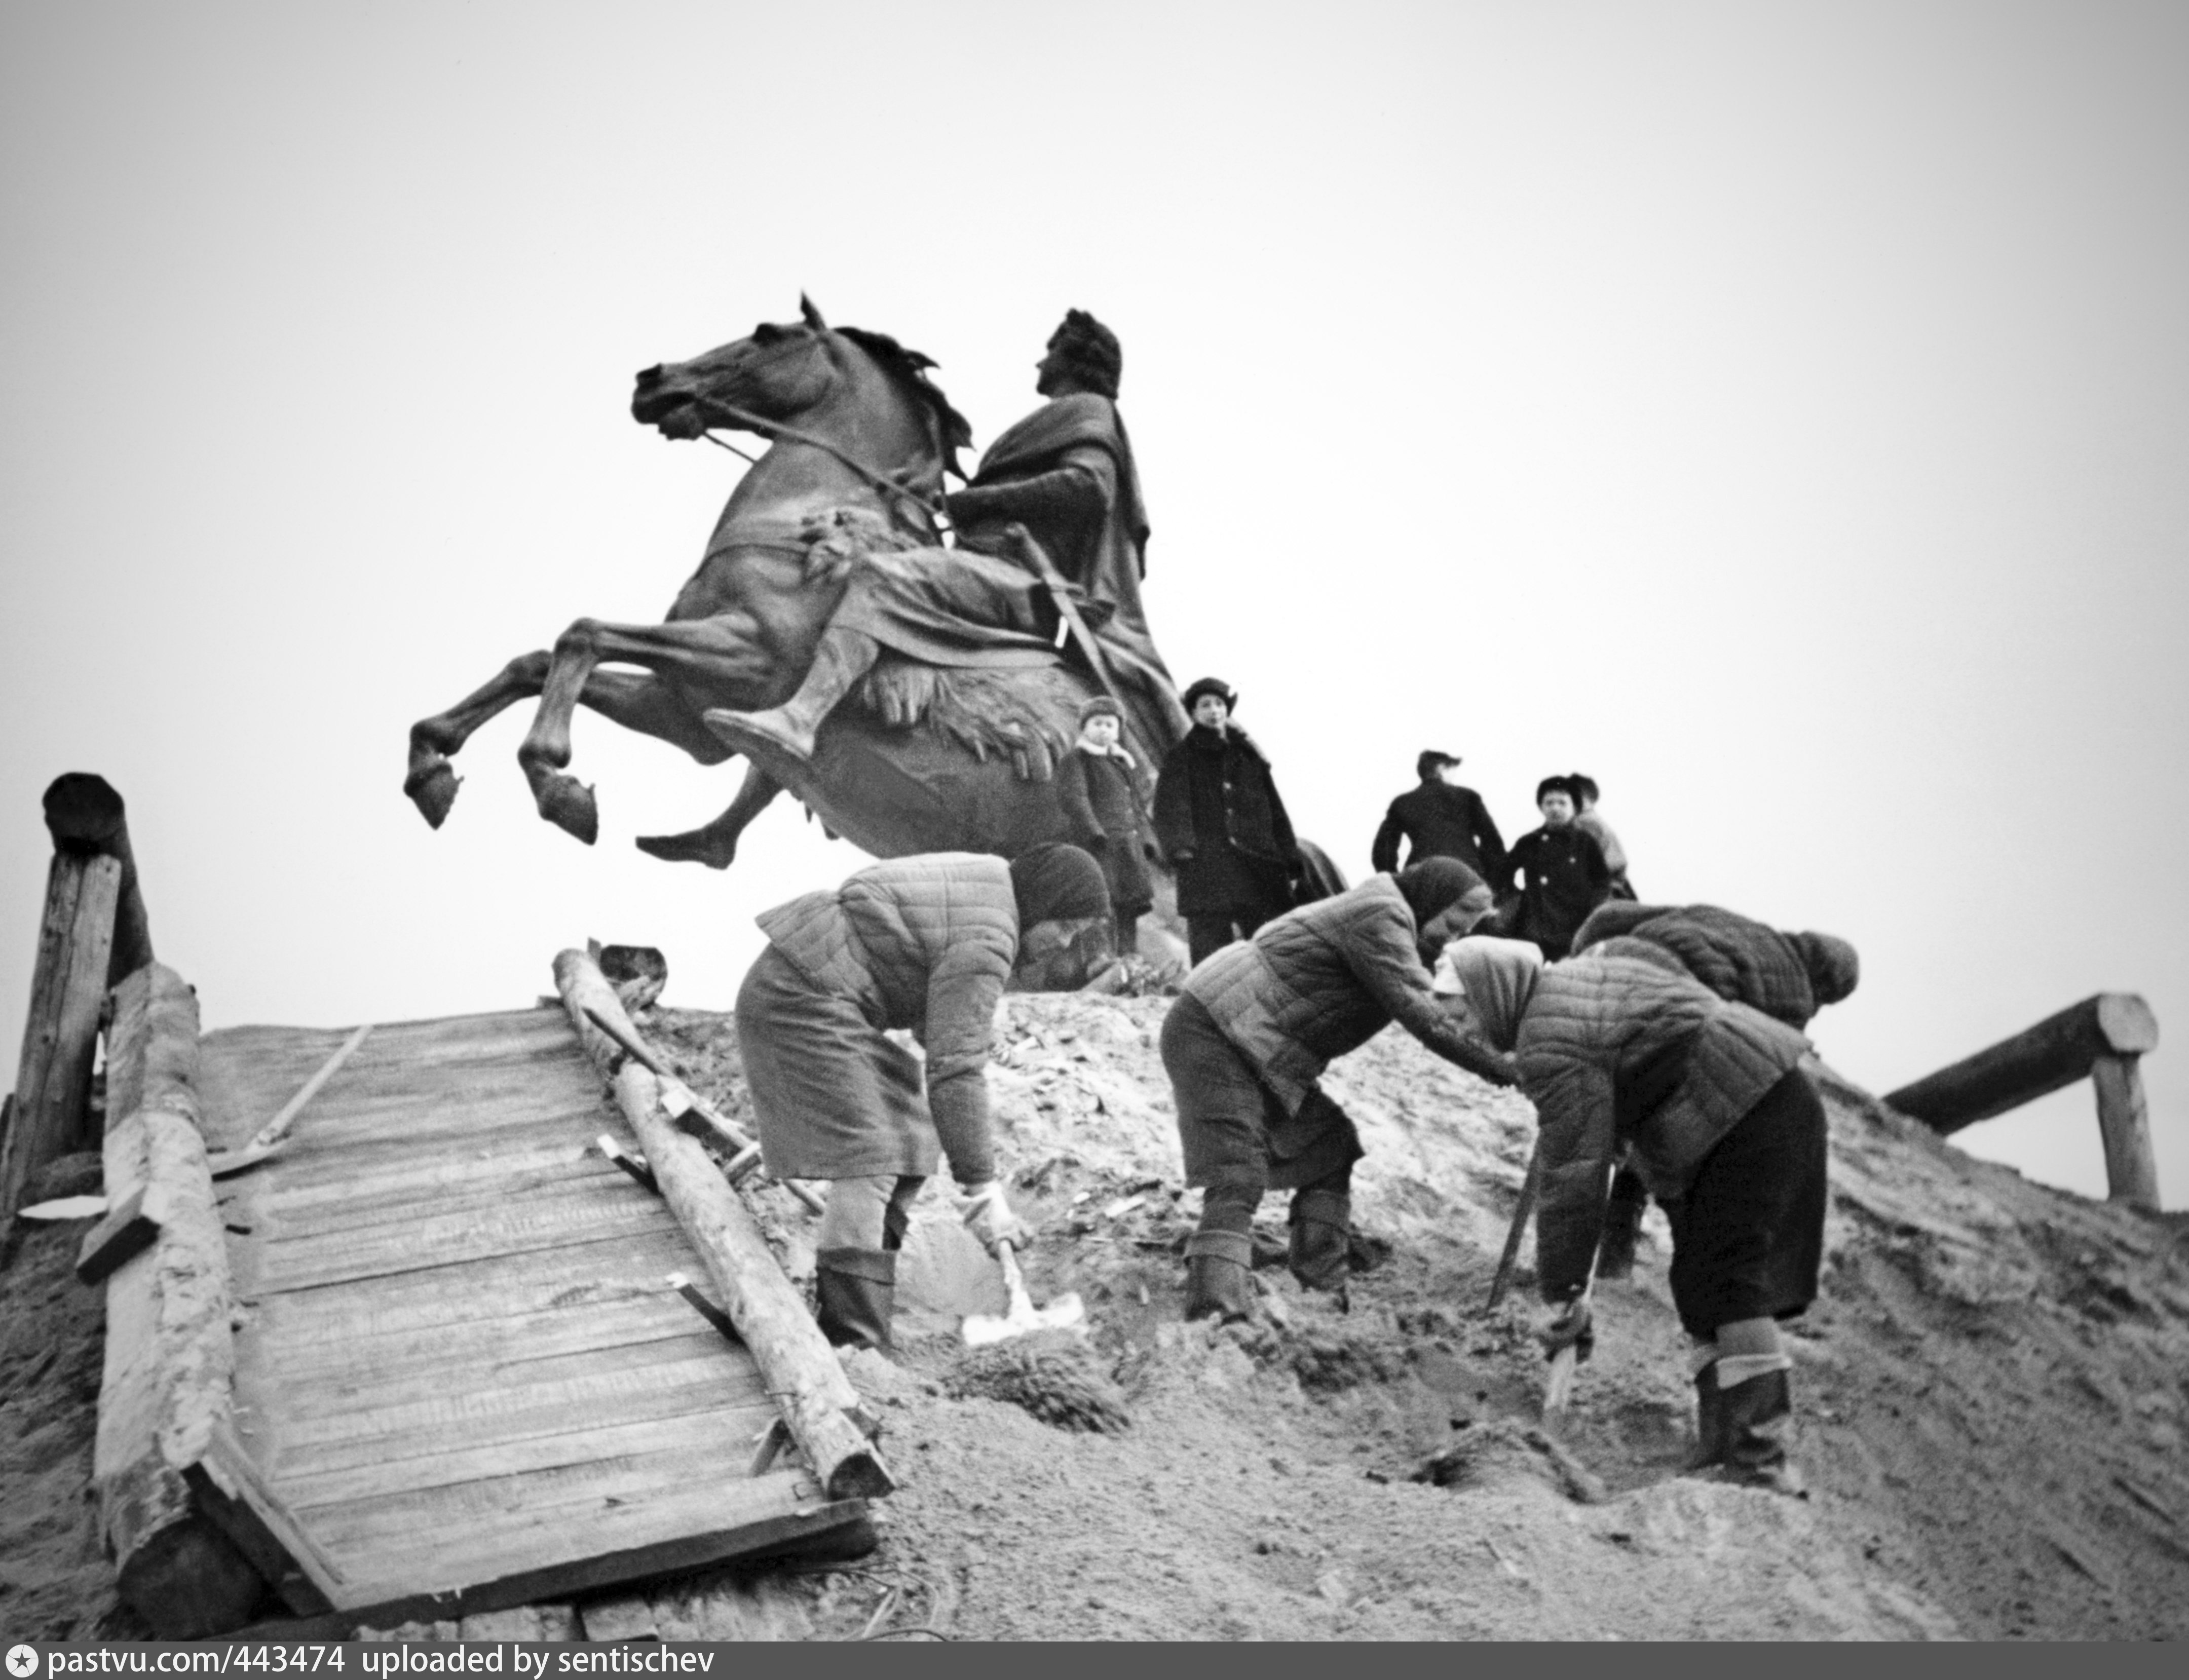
(817, 1399)
(170, 1358)
(2131, 1169)
(61, 1038)
(2102, 1037)
(86, 818)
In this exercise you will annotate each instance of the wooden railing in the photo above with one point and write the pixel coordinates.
(2103, 1039)
(94, 934)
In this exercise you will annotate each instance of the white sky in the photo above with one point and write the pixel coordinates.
(1779, 411)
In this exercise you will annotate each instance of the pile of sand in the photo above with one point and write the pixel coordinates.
(1991, 1395)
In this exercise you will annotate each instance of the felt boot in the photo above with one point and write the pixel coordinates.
(1710, 1422)
(1321, 1239)
(1759, 1418)
(855, 1295)
(840, 659)
(1218, 1283)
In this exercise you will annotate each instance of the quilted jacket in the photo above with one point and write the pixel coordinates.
(1737, 957)
(1324, 979)
(924, 943)
(1615, 1048)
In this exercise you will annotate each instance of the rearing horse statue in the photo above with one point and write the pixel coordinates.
(918, 757)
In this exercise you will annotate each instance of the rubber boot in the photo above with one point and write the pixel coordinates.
(1321, 1240)
(855, 1295)
(1759, 1418)
(1710, 1422)
(1217, 1282)
(840, 659)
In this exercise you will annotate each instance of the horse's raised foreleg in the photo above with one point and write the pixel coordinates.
(717, 844)
(432, 780)
(712, 656)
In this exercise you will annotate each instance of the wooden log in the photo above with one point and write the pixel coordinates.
(817, 1399)
(61, 1038)
(2056, 1052)
(2124, 1124)
(86, 818)
(170, 1359)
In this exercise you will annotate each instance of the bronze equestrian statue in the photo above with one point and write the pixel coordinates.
(914, 696)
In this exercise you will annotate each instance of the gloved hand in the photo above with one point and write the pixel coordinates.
(988, 1216)
(1573, 1326)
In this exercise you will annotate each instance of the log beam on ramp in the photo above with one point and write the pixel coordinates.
(2103, 1039)
(822, 1409)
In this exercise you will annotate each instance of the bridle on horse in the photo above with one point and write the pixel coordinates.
(746, 421)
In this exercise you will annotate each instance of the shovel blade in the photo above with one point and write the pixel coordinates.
(1066, 1312)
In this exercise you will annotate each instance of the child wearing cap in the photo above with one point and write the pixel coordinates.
(1098, 786)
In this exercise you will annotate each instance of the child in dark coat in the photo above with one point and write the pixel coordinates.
(1222, 825)
(1099, 786)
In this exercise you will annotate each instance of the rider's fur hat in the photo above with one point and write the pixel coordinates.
(1211, 685)
(1092, 349)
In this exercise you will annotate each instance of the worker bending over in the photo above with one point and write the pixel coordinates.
(1790, 976)
(924, 943)
(1248, 1041)
(1614, 1049)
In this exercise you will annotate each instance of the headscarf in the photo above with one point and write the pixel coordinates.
(1499, 978)
(1833, 965)
(1056, 884)
(1433, 886)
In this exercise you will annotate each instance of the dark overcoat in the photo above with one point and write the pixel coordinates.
(1100, 793)
(1220, 821)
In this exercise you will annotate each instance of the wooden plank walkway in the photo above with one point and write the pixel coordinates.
(461, 1373)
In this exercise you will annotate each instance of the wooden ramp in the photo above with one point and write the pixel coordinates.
(461, 1378)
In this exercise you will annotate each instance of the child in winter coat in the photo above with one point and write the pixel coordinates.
(1099, 786)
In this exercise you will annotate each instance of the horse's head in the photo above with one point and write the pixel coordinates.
(779, 373)
(785, 373)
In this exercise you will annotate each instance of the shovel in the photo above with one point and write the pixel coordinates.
(1066, 1312)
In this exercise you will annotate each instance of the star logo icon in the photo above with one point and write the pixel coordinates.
(22, 1661)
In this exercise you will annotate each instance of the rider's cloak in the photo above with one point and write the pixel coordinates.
(965, 607)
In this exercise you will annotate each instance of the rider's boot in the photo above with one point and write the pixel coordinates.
(842, 657)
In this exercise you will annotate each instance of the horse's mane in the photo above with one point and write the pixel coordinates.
(911, 367)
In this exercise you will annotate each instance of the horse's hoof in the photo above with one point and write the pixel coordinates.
(695, 847)
(567, 803)
(433, 789)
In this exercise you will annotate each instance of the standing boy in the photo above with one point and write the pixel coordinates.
(1220, 822)
(1565, 876)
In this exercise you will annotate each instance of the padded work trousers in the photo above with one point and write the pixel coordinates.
(872, 1213)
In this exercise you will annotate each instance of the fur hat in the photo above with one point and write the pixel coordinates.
(1091, 350)
(1556, 785)
(1431, 761)
(1211, 685)
(1058, 883)
(1101, 706)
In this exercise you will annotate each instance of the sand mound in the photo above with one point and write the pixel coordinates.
(1991, 1399)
